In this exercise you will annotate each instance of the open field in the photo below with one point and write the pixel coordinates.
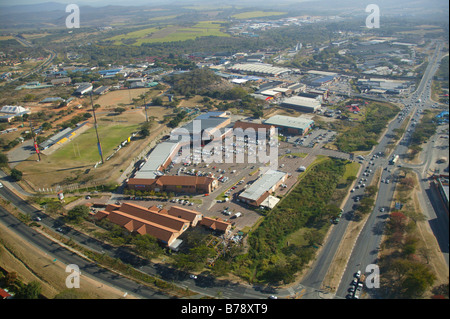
(170, 33)
(114, 98)
(256, 14)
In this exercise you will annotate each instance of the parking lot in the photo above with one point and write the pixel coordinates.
(235, 177)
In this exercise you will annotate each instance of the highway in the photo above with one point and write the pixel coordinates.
(366, 248)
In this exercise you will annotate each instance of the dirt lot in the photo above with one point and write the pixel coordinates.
(32, 264)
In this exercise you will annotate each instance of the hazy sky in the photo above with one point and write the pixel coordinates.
(118, 2)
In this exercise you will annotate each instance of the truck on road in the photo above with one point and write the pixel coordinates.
(394, 159)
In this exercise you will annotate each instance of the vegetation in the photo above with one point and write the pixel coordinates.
(20, 290)
(362, 135)
(271, 258)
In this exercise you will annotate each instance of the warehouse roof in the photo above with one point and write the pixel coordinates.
(160, 154)
(259, 68)
(263, 184)
(302, 101)
(288, 121)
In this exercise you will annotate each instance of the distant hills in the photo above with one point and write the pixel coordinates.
(105, 12)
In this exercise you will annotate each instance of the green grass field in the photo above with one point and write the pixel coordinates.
(171, 33)
(256, 14)
(83, 149)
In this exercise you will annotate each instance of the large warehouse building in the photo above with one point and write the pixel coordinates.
(159, 159)
(291, 125)
(259, 68)
(302, 104)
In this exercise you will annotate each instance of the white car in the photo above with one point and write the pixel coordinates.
(193, 276)
(1, 185)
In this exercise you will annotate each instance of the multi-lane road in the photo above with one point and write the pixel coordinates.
(366, 248)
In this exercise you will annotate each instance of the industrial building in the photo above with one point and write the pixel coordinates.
(376, 85)
(261, 189)
(259, 68)
(158, 160)
(291, 125)
(8, 112)
(83, 89)
(269, 129)
(302, 104)
(205, 125)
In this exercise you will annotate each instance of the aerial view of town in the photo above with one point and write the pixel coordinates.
(214, 150)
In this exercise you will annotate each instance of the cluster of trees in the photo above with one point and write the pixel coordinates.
(194, 82)
(425, 129)
(366, 204)
(363, 135)
(270, 258)
(403, 271)
(195, 251)
(144, 245)
(75, 120)
(20, 290)
(177, 119)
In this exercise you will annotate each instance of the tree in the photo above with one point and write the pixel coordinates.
(119, 110)
(16, 174)
(77, 214)
(3, 160)
(30, 291)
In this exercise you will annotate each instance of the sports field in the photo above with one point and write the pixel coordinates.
(83, 149)
(171, 33)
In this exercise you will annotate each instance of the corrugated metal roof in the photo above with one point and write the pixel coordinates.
(263, 184)
(288, 121)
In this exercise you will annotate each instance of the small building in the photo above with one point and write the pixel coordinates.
(83, 89)
(216, 224)
(61, 81)
(101, 90)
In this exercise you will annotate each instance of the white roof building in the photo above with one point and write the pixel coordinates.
(159, 159)
(266, 183)
(259, 68)
(11, 109)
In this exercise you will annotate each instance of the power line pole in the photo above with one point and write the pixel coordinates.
(36, 147)
(96, 131)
